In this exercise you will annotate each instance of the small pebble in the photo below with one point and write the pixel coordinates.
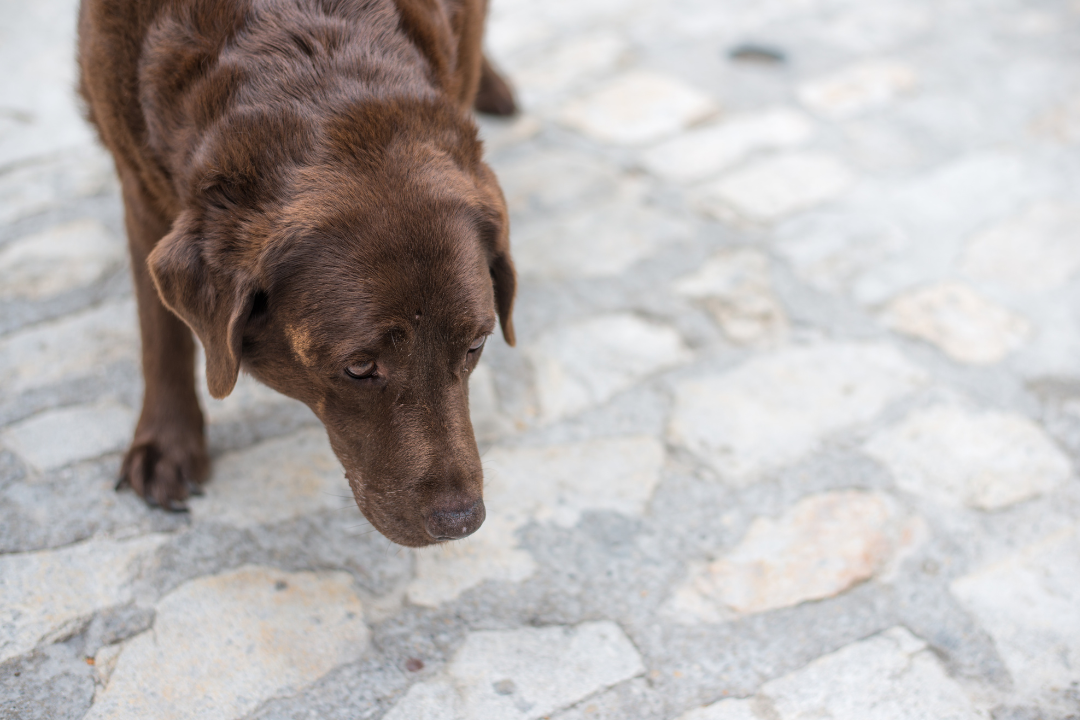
(759, 54)
(414, 665)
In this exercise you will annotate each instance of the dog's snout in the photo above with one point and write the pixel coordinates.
(454, 523)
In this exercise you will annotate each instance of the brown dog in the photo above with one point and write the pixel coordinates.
(304, 189)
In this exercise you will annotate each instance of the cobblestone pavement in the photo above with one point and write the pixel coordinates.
(791, 433)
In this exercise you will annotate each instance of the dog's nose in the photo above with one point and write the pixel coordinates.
(451, 524)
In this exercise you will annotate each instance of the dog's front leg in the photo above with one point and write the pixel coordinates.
(167, 459)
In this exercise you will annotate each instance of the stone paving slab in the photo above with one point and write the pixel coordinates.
(792, 429)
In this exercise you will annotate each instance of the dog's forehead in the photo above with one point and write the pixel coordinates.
(373, 286)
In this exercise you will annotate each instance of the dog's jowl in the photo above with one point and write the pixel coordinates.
(304, 190)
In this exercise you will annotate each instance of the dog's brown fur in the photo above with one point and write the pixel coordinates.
(304, 190)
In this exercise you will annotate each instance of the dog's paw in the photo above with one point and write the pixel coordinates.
(164, 468)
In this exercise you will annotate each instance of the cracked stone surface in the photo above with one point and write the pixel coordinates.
(586, 363)
(554, 484)
(736, 288)
(48, 594)
(523, 674)
(791, 430)
(778, 407)
(1024, 601)
(274, 633)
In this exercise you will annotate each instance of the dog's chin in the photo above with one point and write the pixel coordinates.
(395, 530)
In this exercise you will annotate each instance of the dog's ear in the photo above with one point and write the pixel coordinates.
(214, 303)
(504, 280)
(495, 224)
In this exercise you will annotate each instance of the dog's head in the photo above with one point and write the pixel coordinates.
(363, 279)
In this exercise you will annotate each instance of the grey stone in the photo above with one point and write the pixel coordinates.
(1027, 602)
(50, 684)
(114, 625)
(554, 484)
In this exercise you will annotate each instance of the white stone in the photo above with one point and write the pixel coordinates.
(836, 252)
(273, 481)
(523, 674)
(223, 645)
(820, 547)
(735, 286)
(1027, 602)
(585, 364)
(963, 324)
(730, 709)
(553, 181)
(776, 408)
(48, 595)
(777, 186)
(568, 64)
(62, 258)
(890, 676)
(600, 241)
(987, 460)
(71, 347)
(54, 438)
(856, 89)
(553, 484)
(501, 133)
(1033, 252)
(638, 107)
(703, 152)
(1060, 123)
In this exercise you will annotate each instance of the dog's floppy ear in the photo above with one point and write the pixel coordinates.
(495, 224)
(213, 302)
(504, 280)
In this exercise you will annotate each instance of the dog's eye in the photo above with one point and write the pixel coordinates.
(361, 370)
(478, 343)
